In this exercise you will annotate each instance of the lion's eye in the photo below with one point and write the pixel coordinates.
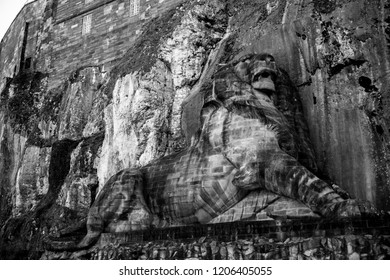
(265, 75)
(256, 77)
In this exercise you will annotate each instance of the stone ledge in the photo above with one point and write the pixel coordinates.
(342, 247)
(276, 229)
(309, 239)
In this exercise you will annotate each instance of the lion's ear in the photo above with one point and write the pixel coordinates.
(242, 71)
(209, 107)
(211, 104)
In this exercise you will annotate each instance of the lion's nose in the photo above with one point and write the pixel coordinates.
(265, 74)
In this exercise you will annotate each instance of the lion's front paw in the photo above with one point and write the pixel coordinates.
(350, 208)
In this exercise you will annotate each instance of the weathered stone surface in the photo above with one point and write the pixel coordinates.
(335, 52)
(245, 145)
(287, 240)
(11, 44)
(11, 153)
(13, 150)
(186, 52)
(143, 120)
(335, 55)
(136, 122)
(32, 181)
(78, 102)
(81, 184)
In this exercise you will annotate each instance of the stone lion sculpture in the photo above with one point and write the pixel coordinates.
(245, 144)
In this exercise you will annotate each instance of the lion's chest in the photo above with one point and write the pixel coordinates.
(178, 189)
(196, 185)
(241, 137)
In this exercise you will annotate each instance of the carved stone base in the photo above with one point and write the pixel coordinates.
(277, 239)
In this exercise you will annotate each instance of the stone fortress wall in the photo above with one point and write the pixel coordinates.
(76, 33)
(11, 59)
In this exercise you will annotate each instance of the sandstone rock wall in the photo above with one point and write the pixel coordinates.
(338, 58)
(59, 144)
(336, 55)
(143, 119)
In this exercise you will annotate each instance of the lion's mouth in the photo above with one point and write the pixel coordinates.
(264, 81)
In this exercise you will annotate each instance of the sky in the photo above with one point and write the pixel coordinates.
(8, 11)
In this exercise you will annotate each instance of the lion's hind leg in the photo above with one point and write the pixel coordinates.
(127, 210)
(119, 207)
(132, 213)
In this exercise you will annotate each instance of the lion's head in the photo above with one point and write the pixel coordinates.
(246, 77)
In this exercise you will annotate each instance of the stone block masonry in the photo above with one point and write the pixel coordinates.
(60, 36)
(313, 239)
(22, 32)
(113, 29)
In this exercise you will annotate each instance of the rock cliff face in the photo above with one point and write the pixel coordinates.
(59, 146)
